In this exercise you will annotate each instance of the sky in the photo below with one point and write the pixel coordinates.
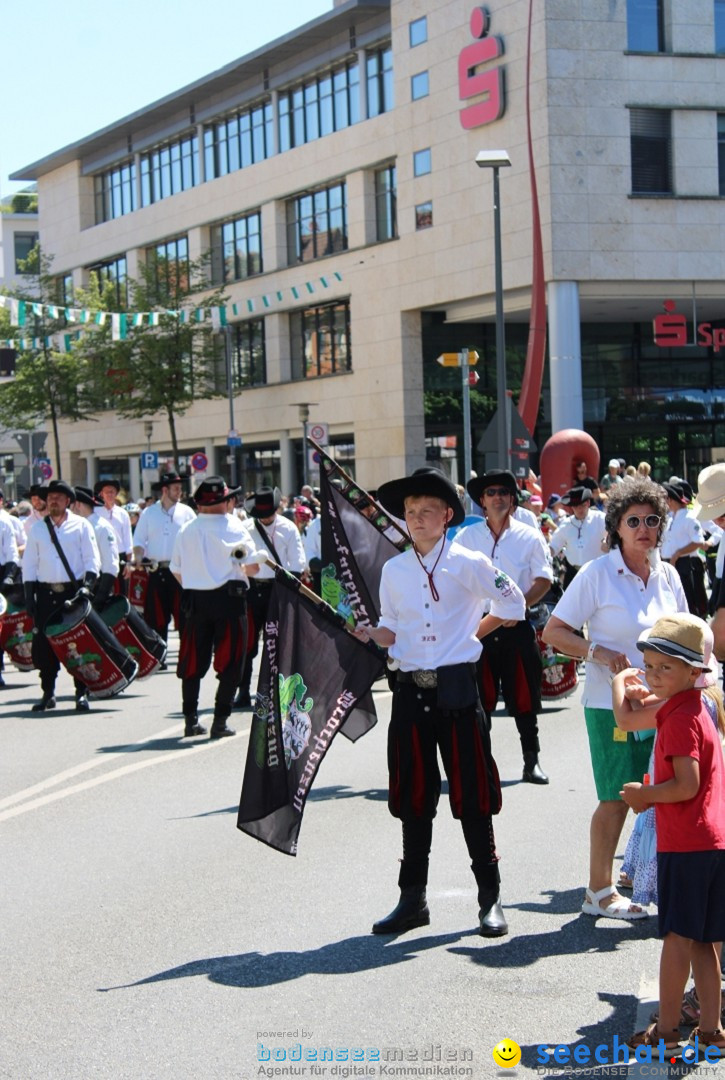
(83, 64)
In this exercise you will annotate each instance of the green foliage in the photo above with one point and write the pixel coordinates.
(24, 202)
(443, 407)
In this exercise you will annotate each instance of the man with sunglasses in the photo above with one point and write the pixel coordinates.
(511, 661)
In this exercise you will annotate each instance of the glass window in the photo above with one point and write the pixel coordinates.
(237, 249)
(651, 146)
(115, 192)
(721, 150)
(418, 31)
(249, 365)
(419, 86)
(317, 224)
(720, 27)
(174, 167)
(386, 199)
(113, 270)
(379, 65)
(318, 107)
(320, 341)
(170, 262)
(24, 244)
(421, 162)
(424, 215)
(645, 26)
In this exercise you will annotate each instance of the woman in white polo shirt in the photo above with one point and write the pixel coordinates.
(617, 597)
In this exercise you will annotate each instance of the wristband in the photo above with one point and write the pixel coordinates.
(590, 652)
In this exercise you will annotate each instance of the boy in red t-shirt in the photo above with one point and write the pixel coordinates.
(689, 800)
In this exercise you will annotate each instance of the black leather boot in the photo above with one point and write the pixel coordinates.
(46, 702)
(533, 773)
(82, 704)
(192, 726)
(411, 911)
(491, 919)
(219, 729)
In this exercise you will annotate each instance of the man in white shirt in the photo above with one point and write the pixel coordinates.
(579, 537)
(47, 585)
(681, 542)
(153, 540)
(107, 491)
(15, 524)
(38, 494)
(511, 661)
(211, 558)
(280, 540)
(85, 506)
(431, 598)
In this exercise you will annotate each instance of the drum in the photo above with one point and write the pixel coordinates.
(146, 647)
(138, 584)
(16, 630)
(559, 677)
(88, 650)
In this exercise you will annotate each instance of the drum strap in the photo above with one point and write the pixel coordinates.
(263, 533)
(59, 549)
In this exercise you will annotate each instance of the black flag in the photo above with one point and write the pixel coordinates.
(355, 543)
(313, 674)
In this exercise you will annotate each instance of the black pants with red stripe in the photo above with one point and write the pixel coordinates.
(511, 664)
(215, 623)
(418, 730)
(163, 602)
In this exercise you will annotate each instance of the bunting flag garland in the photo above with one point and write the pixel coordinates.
(122, 321)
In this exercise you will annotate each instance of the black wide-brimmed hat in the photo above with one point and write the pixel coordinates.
(576, 496)
(100, 484)
(167, 478)
(264, 502)
(39, 490)
(213, 491)
(59, 487)
(675, 492)
(86, 496)
(424, 481)
(500, 477)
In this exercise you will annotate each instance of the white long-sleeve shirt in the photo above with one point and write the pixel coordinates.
(157, 529)
(41, 561)
(285, 537)
(121, 524)
(203, 552)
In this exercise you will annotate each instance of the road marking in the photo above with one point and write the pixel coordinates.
(125, 770)
(75, 770)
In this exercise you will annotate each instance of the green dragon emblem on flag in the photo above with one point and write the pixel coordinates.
(334, 593)
(295, 712)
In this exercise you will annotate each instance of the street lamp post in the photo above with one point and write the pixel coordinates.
(495, 160)
(231, 447)
(304, 411)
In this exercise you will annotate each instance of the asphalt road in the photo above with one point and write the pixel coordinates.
(144, 936)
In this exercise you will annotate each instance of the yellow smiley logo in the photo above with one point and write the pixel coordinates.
(507, 1053)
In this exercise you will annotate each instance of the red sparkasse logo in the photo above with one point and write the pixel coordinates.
(474, 83)
(670, 330)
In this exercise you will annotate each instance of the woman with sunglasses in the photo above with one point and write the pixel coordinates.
(617, 596)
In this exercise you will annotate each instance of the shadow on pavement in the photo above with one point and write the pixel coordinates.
(334, 791)
(346, 957)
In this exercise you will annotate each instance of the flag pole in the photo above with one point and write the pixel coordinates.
(353, 483)
(314, 598)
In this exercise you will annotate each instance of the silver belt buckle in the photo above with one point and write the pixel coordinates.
(57, 586)
(425, 680)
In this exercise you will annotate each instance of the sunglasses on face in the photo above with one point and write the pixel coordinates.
(650, 520)
(492, 492)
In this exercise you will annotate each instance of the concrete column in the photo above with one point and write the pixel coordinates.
(288, 480)
(134, 477)
(565, 354)
(363, 85)
(273, 150)
(91, 467)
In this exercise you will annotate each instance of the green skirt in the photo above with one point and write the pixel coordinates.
(614, 763)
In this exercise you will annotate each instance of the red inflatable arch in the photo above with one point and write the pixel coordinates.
(560, 456)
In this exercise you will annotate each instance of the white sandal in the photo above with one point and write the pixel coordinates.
(621, 908)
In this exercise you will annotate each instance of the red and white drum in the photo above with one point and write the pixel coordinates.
(146, 647)
(88, 650)
(138, 584)
(16, 631)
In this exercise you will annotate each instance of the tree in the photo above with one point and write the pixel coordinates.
(48, 384)
(164, 368)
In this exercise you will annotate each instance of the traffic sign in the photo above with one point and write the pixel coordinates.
(45, 469)
(473, 378)
(455, 359)
(150, 460)
(320, 433)
(234, 440)
(199, 462)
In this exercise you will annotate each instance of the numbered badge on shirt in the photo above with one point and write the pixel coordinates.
(428, 638)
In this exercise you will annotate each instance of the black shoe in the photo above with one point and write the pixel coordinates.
(220, 731)
(3, 684)
(242, 701)
(163, 666)
(411, 911)
(46, 702)
(492, 921)
(82, 703)
(533, 773)
(194, 729)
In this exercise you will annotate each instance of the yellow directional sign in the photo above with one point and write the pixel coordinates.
(455, 359)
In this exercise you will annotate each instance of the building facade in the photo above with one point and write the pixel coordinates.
(332, 177)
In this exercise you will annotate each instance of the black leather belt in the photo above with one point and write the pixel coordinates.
(56, 586)
(423, 678)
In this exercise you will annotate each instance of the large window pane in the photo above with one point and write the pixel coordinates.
(720, 26)
(320, 341)
(721, 150)
(650, 137)
(645, 26)
(236, 249)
